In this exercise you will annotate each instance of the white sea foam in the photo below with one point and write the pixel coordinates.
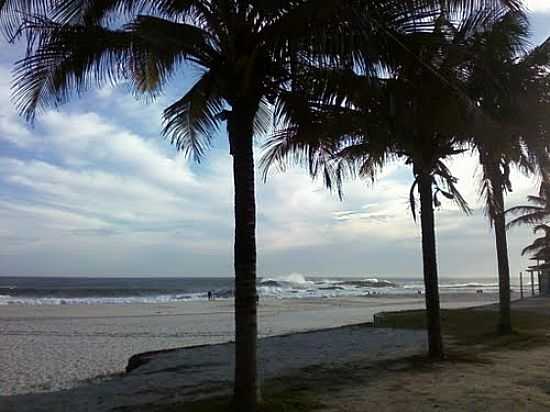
(291, 286)
(15, 300)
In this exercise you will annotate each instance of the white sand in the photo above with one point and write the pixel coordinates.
(44, 348)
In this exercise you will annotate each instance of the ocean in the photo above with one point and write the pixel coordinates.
(88, 290)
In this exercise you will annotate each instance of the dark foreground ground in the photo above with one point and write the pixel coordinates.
(349, 369)
(161, 379)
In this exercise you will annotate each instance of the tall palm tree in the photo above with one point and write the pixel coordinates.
(414, 109)
(497, 145)
(244, 51)
(501, 78)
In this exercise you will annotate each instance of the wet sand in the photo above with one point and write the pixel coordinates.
(52, 347)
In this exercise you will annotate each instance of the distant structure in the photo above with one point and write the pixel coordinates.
(541, 270)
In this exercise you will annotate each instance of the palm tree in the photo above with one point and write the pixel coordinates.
(499, 79)
(245, 51)
(497, 145)
(426, 154)
(415, 110)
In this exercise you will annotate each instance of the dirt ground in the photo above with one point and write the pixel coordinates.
(499, 380)
(504, 381)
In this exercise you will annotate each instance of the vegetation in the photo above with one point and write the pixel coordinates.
(536, 215)
(538, 211)
(468, 327)
(423, 110)
(353, 85)
(541, 245)
(245, 53)
(504, 80)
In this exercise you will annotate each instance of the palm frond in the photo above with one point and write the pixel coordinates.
(67, 61)
(542, 228)
(94, 12)
(537, 246)
(412, 198)
(262, 120)
(531, 218)
(190, 122)
(13, 13)
(160, 46)
(449, 189)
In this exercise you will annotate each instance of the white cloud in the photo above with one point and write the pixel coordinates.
(112, 190)
(12, 128)
(538, 6)
(93, 190)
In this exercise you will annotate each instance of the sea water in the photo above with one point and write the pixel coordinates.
(111, 290)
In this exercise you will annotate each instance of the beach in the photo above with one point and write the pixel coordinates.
(53, 347)
(162, 378)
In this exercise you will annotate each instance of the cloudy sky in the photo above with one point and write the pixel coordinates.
(92, 189)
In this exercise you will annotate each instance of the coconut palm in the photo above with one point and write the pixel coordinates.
(502, 80)
(244, 51)
(413, 110)
(496, 143)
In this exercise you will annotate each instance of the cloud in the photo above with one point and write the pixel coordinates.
(538, 6)
(93, 189)
(12, 128)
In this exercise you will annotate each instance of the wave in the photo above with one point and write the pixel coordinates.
(468, 285)
(291, 286)
(292, 279)
(18, 300)
(370, 283)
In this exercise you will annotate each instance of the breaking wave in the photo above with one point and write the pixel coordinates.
(51, 291)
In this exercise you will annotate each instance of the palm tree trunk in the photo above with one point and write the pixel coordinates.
(435, 340)
(241, 139)
(499, 220)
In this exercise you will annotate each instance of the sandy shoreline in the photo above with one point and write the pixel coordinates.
(50, 347)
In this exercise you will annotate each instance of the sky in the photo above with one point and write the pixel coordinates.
(92, 189)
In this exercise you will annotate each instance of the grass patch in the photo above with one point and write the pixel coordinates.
(474, 326)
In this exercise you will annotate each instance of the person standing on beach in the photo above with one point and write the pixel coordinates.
(209, 295)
